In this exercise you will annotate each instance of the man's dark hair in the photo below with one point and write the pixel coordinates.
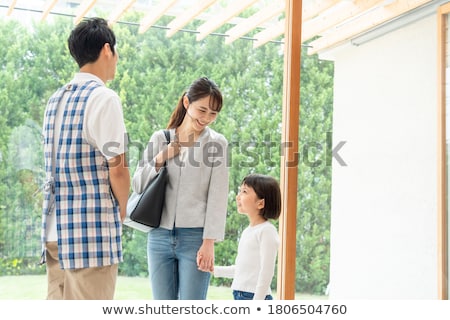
(88, 38)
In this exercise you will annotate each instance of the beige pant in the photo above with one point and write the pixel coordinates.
(97, 283)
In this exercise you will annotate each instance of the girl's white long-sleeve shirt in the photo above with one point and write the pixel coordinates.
(255, 261)
(197, 190)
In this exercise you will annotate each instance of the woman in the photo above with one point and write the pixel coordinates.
(181, 250)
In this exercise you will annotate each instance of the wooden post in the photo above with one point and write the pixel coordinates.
(290, 156)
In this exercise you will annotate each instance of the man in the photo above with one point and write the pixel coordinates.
(88, 180)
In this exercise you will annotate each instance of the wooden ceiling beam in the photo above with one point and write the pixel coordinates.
(187, 16)
(269, 34)
(47, 8)
(315, 8)
(213, 23)
(83, 9)
(364, 23)
(119, 11)
(334, 21)
(11, 8)
(340, 13)
(312, 10)
(155, 14)
(254, 21)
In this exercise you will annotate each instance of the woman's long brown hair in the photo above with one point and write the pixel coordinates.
(200, 88)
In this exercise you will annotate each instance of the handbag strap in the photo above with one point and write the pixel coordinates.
(167, 134)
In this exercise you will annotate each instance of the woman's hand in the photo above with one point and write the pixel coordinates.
(205, 256)
(170, 151)
(173, 149)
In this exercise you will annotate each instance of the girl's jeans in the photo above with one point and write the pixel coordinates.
(242, 295)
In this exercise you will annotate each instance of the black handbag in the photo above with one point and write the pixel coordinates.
(144, 209)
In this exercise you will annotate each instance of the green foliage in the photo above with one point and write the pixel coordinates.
(314, 201)
(20, 266)
(135, 254)
(152, 73)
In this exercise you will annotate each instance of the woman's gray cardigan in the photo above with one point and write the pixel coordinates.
(197, 191)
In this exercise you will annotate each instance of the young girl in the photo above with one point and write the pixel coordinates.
(259, 198)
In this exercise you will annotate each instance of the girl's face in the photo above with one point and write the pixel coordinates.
(248, 202)
(199, 113)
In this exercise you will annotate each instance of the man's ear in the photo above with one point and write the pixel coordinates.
(107, 49)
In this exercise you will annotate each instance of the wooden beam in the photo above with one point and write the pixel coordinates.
(344, 11)
(270, 33)
(254, 21)
(83, 9)
(154, 14)
(213, 23)
(314, 8)
(119, 11)
(289, 157)
(187, 16)
(442, 174)
(364, 23)
(11, 8)
(48, 7)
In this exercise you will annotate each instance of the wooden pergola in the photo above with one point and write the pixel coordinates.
(324, 24)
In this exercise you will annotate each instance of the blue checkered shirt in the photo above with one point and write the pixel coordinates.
(87, 216)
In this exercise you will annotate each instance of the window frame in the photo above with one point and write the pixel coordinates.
(443, 18)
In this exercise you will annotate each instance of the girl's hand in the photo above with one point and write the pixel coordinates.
(205, 256)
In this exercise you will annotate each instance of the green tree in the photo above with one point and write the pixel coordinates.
(28, 76)
(314, 201)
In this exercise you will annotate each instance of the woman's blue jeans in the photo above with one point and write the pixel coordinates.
(172, 264)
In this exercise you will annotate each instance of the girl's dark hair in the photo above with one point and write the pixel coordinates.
(88, 38)
(200, 88)
(267, 188)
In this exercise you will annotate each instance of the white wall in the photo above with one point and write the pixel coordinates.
(383, 224)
